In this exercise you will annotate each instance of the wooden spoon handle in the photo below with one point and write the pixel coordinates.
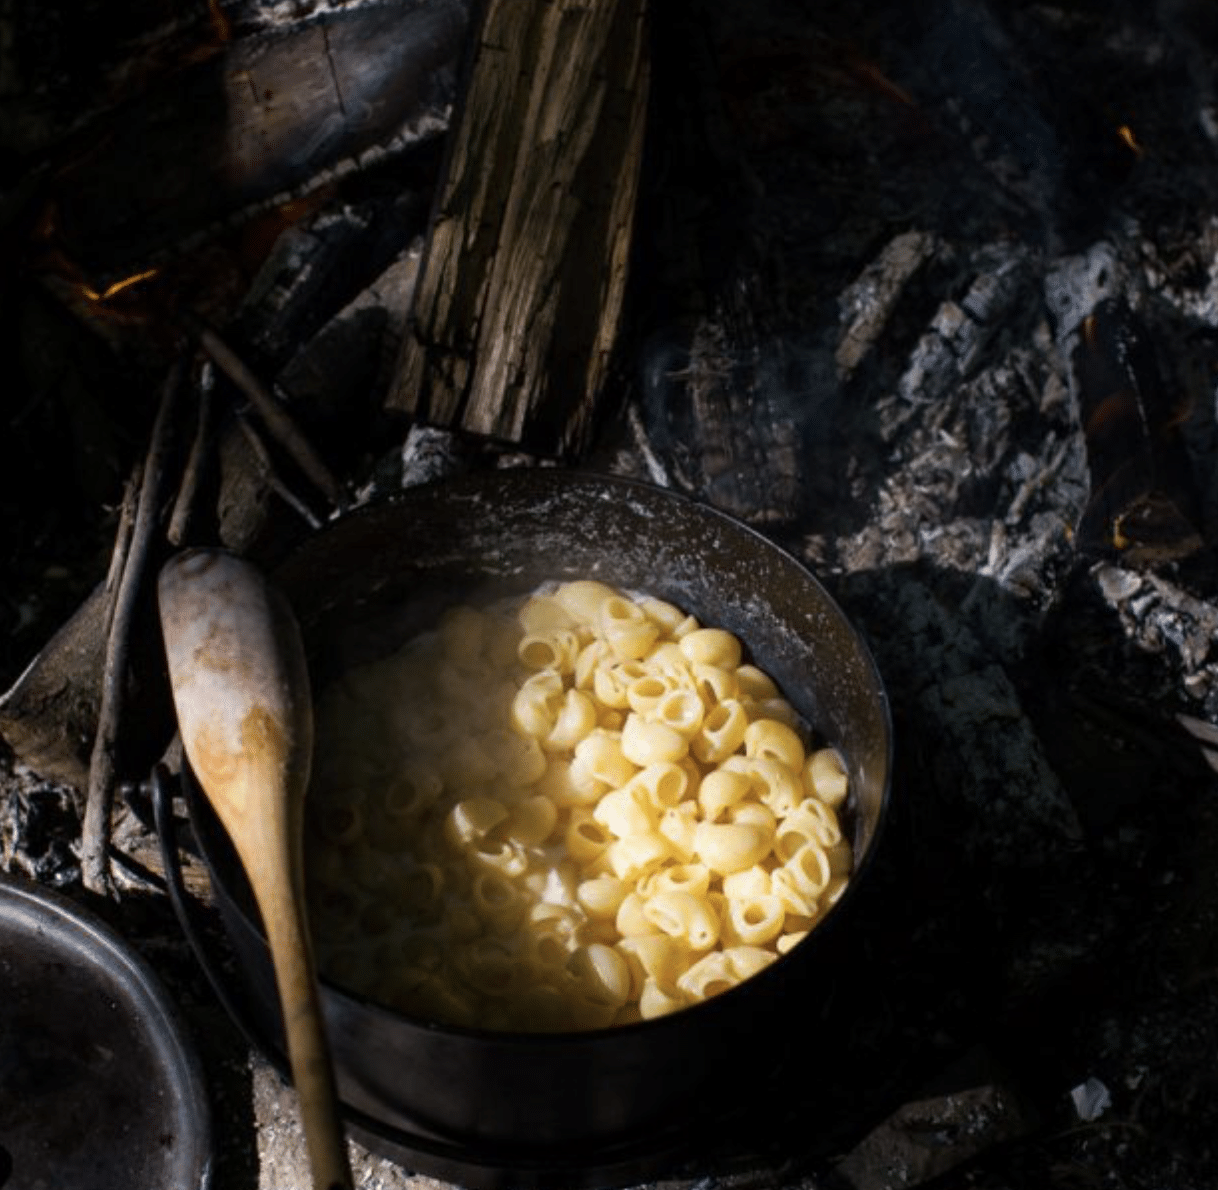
(308, 1048)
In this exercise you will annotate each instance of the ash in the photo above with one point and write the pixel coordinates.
(870, 250)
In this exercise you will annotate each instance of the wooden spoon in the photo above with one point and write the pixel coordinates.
(237, 670)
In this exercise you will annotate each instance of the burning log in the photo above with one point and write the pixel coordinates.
(520, 289)
(1141, 507)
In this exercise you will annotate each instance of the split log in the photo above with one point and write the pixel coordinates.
(772, 176)
(520, 291)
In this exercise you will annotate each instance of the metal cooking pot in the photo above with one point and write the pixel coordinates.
(596, 1107)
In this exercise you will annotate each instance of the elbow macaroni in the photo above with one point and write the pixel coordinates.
(582, 812)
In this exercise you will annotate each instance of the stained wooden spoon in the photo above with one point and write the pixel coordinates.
(241, 690)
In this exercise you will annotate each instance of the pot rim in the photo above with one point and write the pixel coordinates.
(603, 486)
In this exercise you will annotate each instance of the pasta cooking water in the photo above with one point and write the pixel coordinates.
(580, 809)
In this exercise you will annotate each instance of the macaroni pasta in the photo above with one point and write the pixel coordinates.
(577, 811)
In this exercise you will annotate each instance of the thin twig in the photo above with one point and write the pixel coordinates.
(267, 465)
(140, 872)
(192, 473)
(122, 538)
(95, 836)
(272, 413)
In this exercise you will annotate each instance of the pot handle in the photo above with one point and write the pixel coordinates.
(188, 916)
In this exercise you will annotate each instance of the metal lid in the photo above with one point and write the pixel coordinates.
(99, 1084)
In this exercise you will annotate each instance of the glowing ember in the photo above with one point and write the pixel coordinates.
(219, 22)
(94, 296)
(1127, 135)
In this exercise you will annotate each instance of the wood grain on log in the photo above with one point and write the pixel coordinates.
(517, 305)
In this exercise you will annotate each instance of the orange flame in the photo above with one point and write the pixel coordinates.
(1127, 135)
(117, 287)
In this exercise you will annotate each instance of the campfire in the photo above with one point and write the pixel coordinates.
(925, 294)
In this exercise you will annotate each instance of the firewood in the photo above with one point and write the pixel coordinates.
(520, 291)
(728, 386)
(264, 116)
(274, 481)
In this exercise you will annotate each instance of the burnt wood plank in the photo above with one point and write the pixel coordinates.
(520, 291)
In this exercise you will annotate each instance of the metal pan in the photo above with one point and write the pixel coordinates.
(100, 1085)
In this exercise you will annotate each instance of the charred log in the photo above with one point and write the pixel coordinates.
(265, 115)
(725, 395)
(1142, 508)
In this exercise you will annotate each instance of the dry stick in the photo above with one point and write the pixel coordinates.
(267, 465)
(95, 836)
(192, 473)
(274, 416)
(122, 538)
